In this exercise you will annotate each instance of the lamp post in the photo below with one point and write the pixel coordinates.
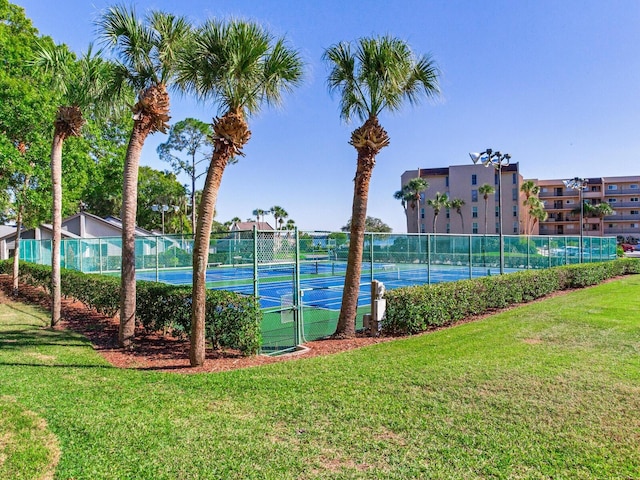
(578, 184)
(497, 160)
(162, 209)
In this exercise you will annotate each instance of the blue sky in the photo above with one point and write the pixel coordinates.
(555, 83)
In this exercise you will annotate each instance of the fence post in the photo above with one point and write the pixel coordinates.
(549, 251)
(298, 313)
(470, 258)
(157, 260)
(255, 261)
(428, 259)
(100, 253)
(371, 254)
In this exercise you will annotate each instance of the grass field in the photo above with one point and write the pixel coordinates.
(546, 390)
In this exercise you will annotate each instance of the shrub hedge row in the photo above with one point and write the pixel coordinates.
(232, 320)
(415, 309)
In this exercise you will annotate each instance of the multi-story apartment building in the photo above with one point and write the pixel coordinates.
(561, 203)
(563, 206)
(464, 182)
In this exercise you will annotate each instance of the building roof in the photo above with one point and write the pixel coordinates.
(7, 230)
(250, 225)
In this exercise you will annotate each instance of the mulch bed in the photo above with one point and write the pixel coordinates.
(159, 352)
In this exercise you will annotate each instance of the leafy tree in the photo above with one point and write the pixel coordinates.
(159, 188)
(371, 224)
(409, 195)
(146, 50)
(374, 75)
(240, 66)
(440, 201)
(485, 190)
(601, 210)
(193, 138)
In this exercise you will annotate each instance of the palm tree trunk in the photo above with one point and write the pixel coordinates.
(56, 180)
(129, 210)
(347, 321)
(206, 211)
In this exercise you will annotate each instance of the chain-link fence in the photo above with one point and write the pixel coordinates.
(299, 276)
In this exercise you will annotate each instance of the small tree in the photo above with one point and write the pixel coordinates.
(409, 195)
(485, 190)
(371, 224)
(193, 137)
(440, 201)
(458, 203)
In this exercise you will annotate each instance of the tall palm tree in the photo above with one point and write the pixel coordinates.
(84, 84)
(374, 75)
(440, 201)
(409, 195)
(259, 213)
(146, 50)
(485, 190)
(240, 66)
(458, 203)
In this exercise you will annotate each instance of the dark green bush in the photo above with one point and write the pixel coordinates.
(415, 309)
(232, 320)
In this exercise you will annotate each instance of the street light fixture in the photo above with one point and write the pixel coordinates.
(497, 160)
(162, 209)
(578, 184)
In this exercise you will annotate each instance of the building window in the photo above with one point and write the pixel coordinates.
(474, 179)
(448, 228)
(497, 212)
(495, 178)
(569, 202)
(514, 180)
(422, 197)
(422, 228)
(422, 213)
(446, 181)
(612, 200)
(448, 213)
(570, 227)
(634, 225)
(474, 228)
(635, 212)
(633, 186)
(515, 228)
(515, 210)
(474, 212)
(474, 195)
(633, 199)
(514, 194)
(497, 227)
(543, 190)
(612, 187)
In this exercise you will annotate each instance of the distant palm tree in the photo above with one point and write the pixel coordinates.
(241, 67)
(532, 202)
(440, 201)
(259, 213)
(409, 195)
(485, 190)
(374, 75)
(601, 210)
(458, 203)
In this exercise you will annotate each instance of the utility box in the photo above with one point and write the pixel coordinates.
(378, 308)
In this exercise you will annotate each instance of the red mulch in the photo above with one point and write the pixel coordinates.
(158, 352)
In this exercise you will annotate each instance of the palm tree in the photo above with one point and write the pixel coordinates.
(458, 203)
(146, 50)
(538, 214)
(375, 75)
(409, 195)
(534, 205)
(240, 66)
(601, 210)
(85, 84)
(531, 191)
(485, 190)
(440, 201)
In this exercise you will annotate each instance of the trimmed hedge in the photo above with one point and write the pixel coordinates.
(415, 309)
(232, 320)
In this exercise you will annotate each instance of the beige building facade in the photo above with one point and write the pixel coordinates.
(563, 204)
(464, 182)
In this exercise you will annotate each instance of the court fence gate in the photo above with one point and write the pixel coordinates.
(298, 276)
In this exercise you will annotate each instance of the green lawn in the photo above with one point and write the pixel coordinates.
(547, 390)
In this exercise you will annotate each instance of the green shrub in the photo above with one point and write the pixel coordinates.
(415, 309)
(232, 320)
